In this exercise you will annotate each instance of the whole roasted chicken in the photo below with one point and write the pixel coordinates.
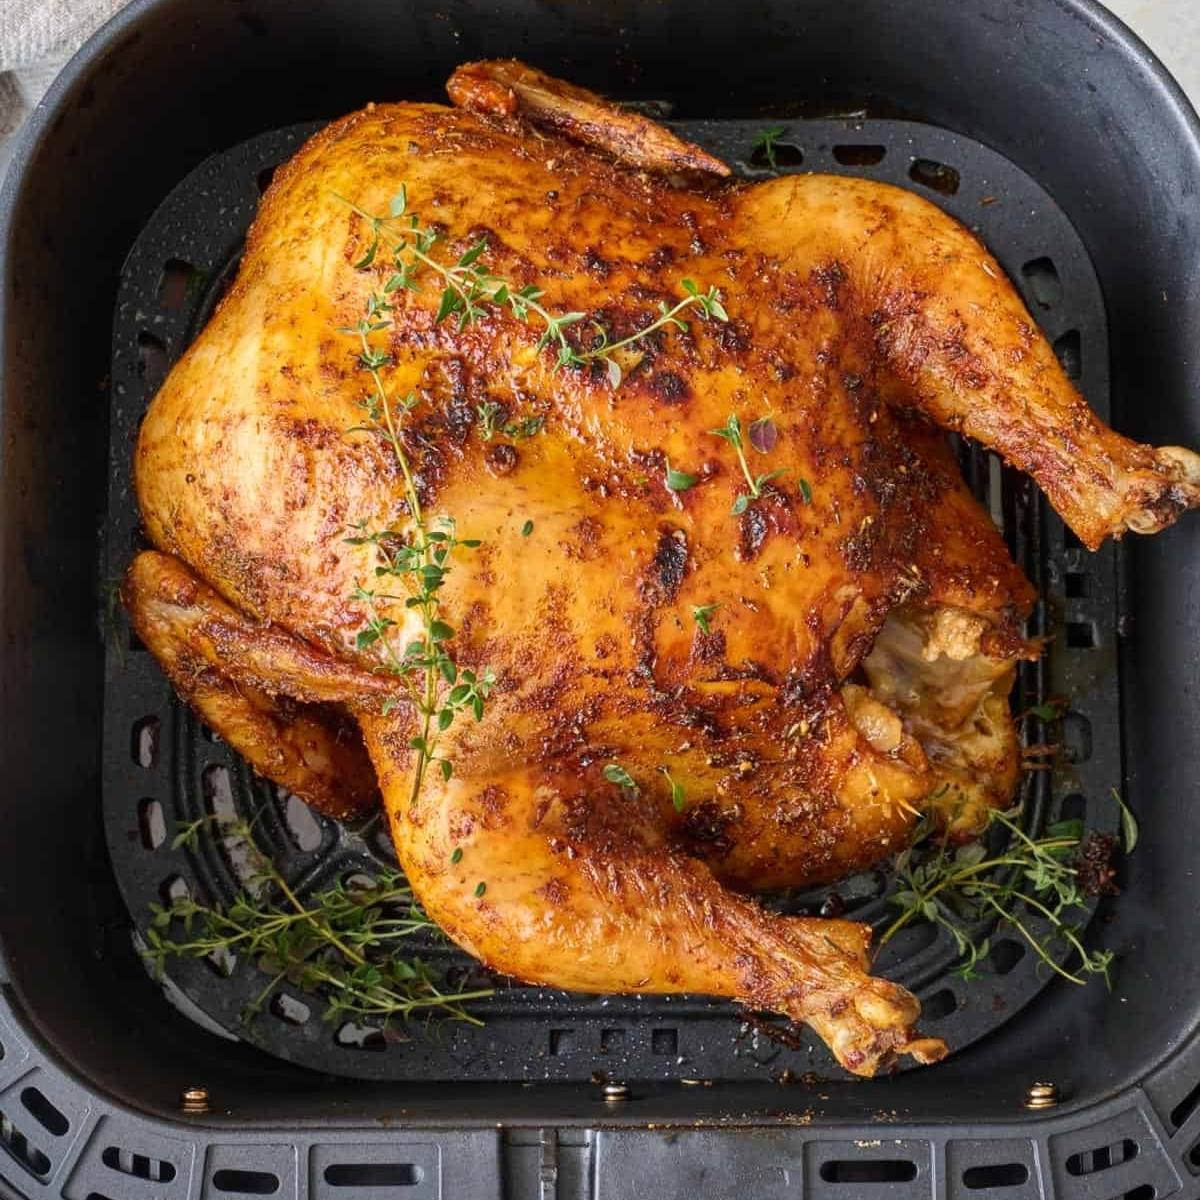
(593, 509)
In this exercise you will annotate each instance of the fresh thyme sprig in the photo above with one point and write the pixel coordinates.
(1031, 878)
(489, 410)
(469, 288)
(418, 561)
(347, 945)
(731, 431)
(765, 141)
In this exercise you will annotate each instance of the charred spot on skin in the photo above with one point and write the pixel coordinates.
(732, 336)
(502, 459)
(555, 891)
(704, 830)
(671, 560)
(859, 549)
(752, 532)
(668, 387)
(660, 257)
(708, 647)
(595, 264)
(829, 280)
(808, 687)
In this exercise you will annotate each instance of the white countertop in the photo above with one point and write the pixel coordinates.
(1171, 28)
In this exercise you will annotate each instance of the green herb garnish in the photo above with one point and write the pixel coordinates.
(679, 481)
(678, 796)
(470, 290)
(960, 888)
(615, 773)
(701, 614)
(765, 140)
(346, 945)
(731, 431)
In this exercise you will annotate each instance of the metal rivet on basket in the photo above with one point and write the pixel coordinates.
(1041, 1095)
(614, 1092)
(194, 1100)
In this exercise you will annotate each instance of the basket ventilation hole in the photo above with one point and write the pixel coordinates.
(1074, 808)
(360, 1037)
(144, 742)
(302, 824)
(562, 1041)
(868, 1170)
(288, 1008)
(995, 1175)
(217, 789)
(1194, 1155)
(940, 1004)
(140, 1166)
(786, 155)
(1145, 1192)
(914, 938)
(934, 175)
(1, 1051)
(98, 1196)
(173, 888)
(664, 1041)
(246, 1183)
(1077, 585)
(264, 178)
(152, 359)
(373, 1175)
(46, 1115)
(213, 739)
(1070, 540)
(1185, 1108)
(179, 280)
(18, 1145)
(1088, 1162)
(135, 643)
(1005, 955)
(612, 1039)
(152, 824)
(1077, 737)
(1044, 284)
(1081, 635)
(859, 156)
(1069, 350)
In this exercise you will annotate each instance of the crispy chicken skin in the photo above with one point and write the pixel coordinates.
(869, 618)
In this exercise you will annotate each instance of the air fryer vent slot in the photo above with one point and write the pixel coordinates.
(869, 1170)
(245, 1183)
(140, 1166)
(46, 1115)
(995, 1176)
(21, 1149)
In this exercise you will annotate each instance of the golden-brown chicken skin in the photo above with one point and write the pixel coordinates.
(864, 617)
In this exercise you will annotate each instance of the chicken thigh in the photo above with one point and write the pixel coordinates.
(711, 676)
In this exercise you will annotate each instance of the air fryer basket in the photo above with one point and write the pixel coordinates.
(92, 1062)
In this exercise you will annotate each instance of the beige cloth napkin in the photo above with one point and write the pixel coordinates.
(36, 38)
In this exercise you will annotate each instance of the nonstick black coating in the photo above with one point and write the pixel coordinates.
(1055, 86)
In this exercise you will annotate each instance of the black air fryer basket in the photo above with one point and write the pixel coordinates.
(1042, 124)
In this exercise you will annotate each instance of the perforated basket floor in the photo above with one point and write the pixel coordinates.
(164, 769)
